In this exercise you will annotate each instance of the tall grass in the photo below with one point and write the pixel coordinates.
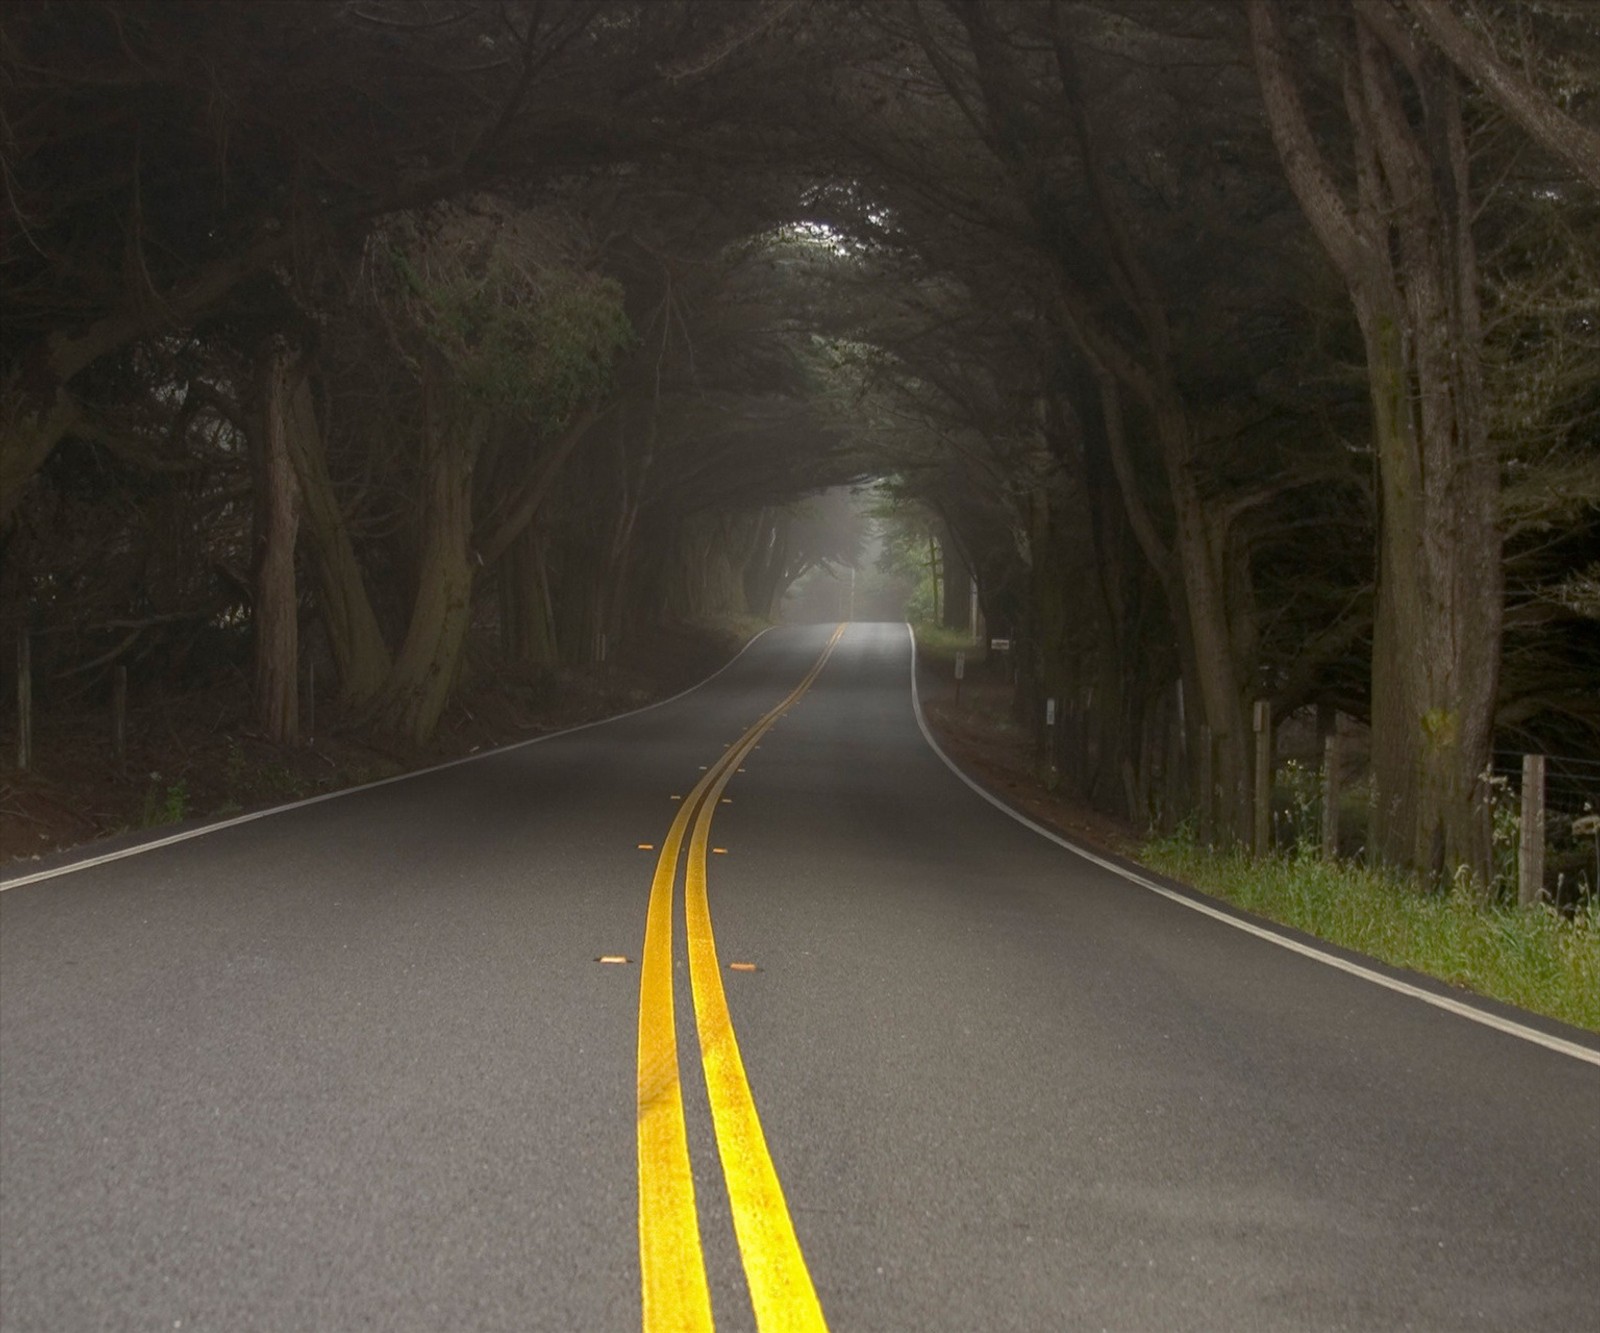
(1536, 958)
(943, 644)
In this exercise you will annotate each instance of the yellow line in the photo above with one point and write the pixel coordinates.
(671, 1264)
(781, 1290)
(671, 1261)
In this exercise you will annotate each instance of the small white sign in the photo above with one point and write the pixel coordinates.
(961, 665)
(1000, 645)
(1049, 712)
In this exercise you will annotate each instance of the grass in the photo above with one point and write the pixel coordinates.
(1537, 959)
(168, 806)
(941, 645)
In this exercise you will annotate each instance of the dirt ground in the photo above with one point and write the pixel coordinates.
(196, 757)
(979, 733)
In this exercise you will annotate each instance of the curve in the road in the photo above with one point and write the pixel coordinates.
(1549, 1040)
(676, 1295)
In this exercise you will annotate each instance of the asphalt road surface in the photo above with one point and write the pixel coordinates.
(356, 1066)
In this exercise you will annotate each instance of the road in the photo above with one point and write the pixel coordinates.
(356, 1066)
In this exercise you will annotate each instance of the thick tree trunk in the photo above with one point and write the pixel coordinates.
(527, 624)
(1406, 253)
(957, 580)
(1208, 601)
(275, 618)
(1217, 666)
(709, 567)
(425, 669)
(731, 552)
(360, 655)
(764, 579)
(1118, 659)
(616, 582)
(1437, 633)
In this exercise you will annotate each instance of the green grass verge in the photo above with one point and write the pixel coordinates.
(1535, 958)
(941, 645)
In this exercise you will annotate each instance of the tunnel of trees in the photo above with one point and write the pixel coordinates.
(1239, 349)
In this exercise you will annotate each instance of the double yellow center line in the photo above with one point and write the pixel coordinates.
(671, 1262)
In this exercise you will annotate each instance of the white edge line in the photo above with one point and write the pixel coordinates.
(203, 829)
(1445, 1002)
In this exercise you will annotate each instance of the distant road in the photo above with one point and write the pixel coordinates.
(356, 1065)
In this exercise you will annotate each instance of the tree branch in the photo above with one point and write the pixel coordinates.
(1308, 172)
(1574, 143)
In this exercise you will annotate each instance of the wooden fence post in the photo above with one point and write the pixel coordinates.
(119, 712)
(24, 701)
(1330, 795)
(1176, 772)
(1530, 850)
(1263, 729)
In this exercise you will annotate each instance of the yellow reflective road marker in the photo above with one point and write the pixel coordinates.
(671, 1261)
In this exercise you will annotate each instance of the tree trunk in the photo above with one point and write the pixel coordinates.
(275, 615)
(764, 580)
(1568, 139)
(425, 670)
(1405, 250)
(615, 586)
(1206, 604)
(29, 430)
(527, 626)
(1437, 632)
(360, 655)
(957, 580)
(1217, 667)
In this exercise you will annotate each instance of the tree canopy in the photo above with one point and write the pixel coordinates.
(1239, 349)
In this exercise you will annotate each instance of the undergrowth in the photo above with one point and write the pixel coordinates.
(941, 644)
(1537, 958)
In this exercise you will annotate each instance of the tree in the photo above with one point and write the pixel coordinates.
(1402, 239)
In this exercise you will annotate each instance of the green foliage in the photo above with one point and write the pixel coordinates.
(1302, 785)
(169, 805)
(505, 300)
(1505, 816)
(919, 605)
(943, 644)
(525, 349)
(1539, 958)
(908, 553)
